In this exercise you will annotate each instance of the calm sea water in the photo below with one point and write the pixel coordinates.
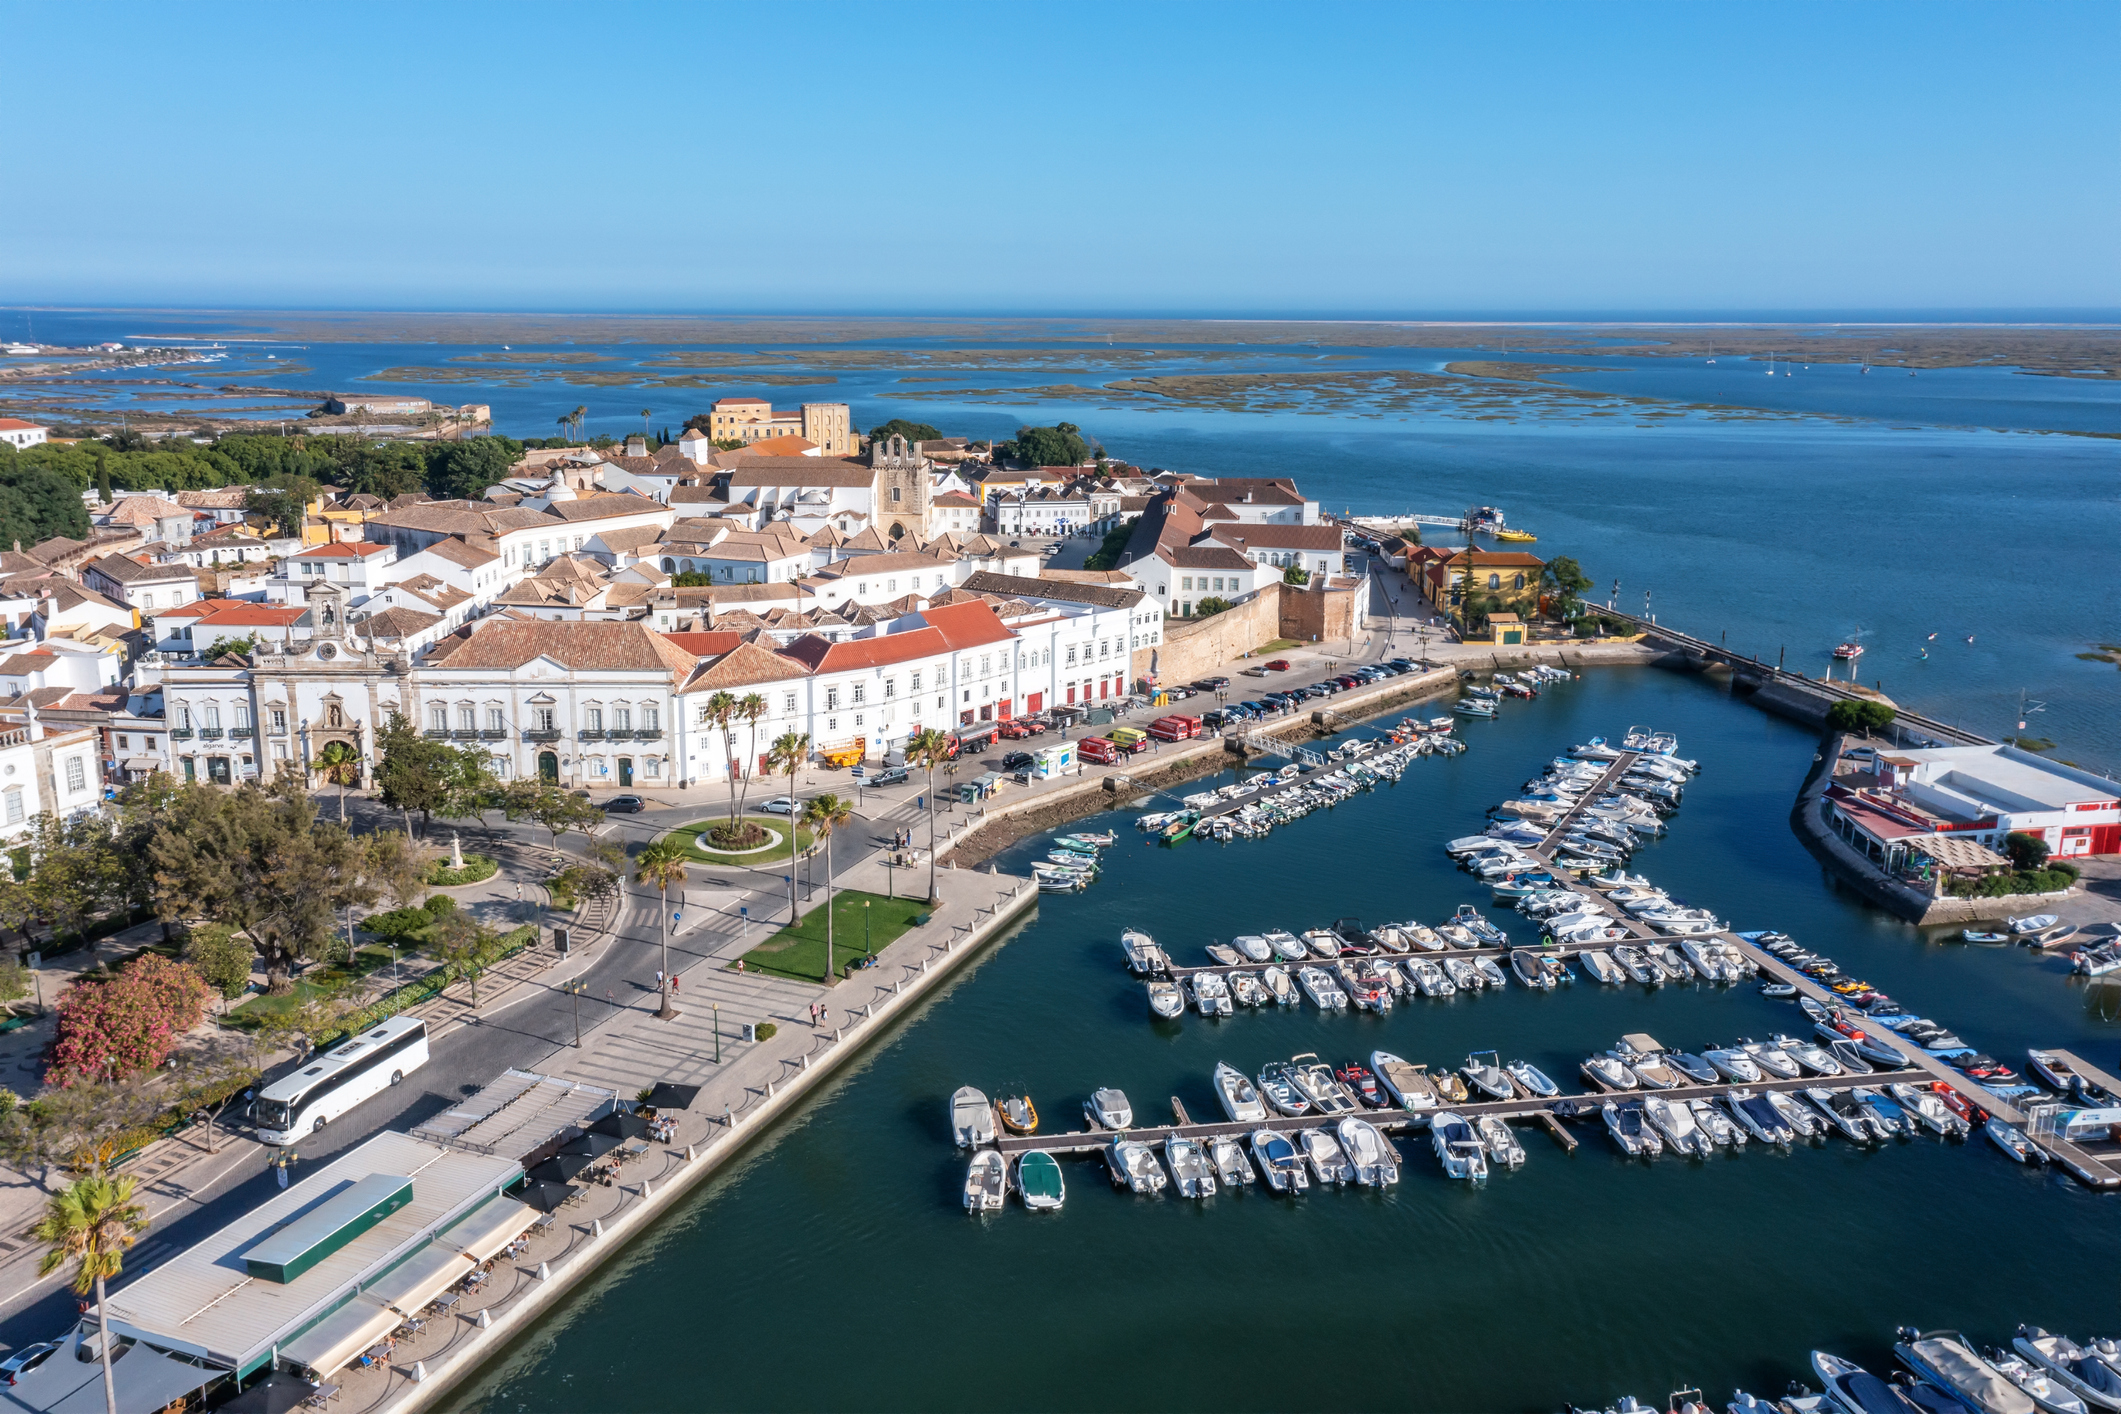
(833, 1268)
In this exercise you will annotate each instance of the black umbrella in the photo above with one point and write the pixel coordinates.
(275, 1394)
(666, 1096)
(620, 1126)
(546, 1197)
(591, 1144)
(561, 1168)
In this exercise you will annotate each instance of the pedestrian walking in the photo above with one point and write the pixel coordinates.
(659, 979)
(824, 1014)
(674, 980)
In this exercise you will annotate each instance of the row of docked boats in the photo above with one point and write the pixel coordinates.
(1073, 861)
(1289, 793)
(1478, 700)
(1944, 1372)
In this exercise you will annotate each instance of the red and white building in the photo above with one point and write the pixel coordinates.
(1978, 794)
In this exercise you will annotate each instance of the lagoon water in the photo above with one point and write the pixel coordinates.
(833, 1267)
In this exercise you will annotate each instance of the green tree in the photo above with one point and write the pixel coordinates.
(1564, 582)
(662, 864)
(258, 860)
(89, 1225)
(467, 947)
(417, 772)
(1296, 575)
(1850, 715)
(1107, 554)
(222, 958)
(233, 645)
(691, 579)
(553, 809)
(2026, 851)
(14, 982)
(1059, 445)
(1210, 606)
(284, 500)
(339, 763)
(925, 751)
(461, 471)
(826, 815)
(911, 431)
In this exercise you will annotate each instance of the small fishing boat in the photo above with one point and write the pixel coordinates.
(1530, 969)
(1609, 1073)
(1483, 1069)
(1190, 1170)
(2079, 1370)
(1320, 1086)
(1806, 1054)
(1357, 1079)
(1108, 1109)
(1843, 1112)
(2046, 1391)
(1848, 652)
(1500, 1142)
(2011, 1140)
(1637, 965)
(986, 1182)
(1279, 987)
(971, 1118)
(1532, 1080)
(1166, 1000)
(1717, 1125)
(1367, 1153)
(1458, 1148)
(1490, 972)
(2031, 923)
(1930, 1110)
(1144, 957)
(1019, 1115)
(1229, 1160)
(1463, 974)
(1254, 947)
(1211, 994)
(1321, 989)
(1759, 1118)
(1223, 955)
(1097, 841)
(1430, 978)
(1279, 1163)
(1239, 1096)
(2054, 1070)
(1287, 946)
(1674, 1123)
(1038, 1181)
(1247, 990)
(1772, 1059)
(1983, 935)
(1800, 1118)
(1407, 1083)
(1601, 966)
(1134, 1166)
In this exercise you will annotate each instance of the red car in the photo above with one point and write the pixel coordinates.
(1017, 730)
(1279, 665)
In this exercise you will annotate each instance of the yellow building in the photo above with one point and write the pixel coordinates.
(1499, 581)
(828, 425)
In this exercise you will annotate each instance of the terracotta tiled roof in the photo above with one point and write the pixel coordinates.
(584, 646)
(1279, 537)
(1106, 596)
(459, 552)
(750, 470)
(1203, 557)
(398, 622)
(746, 665)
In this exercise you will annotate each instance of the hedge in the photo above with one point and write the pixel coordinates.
(477, 868)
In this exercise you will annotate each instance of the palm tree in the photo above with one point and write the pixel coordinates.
(566, 427)
(789, 751)
(749, 709)
(928, 750)
(718, 711)
(90, 1223)
(645, 412)
(662, 864)
(825, 814)
(578, 417)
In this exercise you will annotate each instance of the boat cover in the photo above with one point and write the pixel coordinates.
(1976, 1378)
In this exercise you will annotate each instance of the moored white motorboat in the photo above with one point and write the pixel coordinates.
(1279, 987)
(1211, 993)
(1254, 947)
(1133, 1166)
(1286, 946)
(1367, 1153)
(1229, 1160)
(1625, 1122)
(1716, 1124)
(1328, 1164)
(1601, 966)
(1278, 1086)
(1500, 1142)
(1609, 1072)
(1802, 1120)
(1166, 1000)
(1328, 1096)
(1407, 1083)
(1734, 1064)
(1457, 1147)
(1759, 1118)
(1532, 1080)
(1239, 1096)
(1674, 1121)
(971, 1118)
(1280, 1165)
(1484, 1070)
(1926, 1107)
(2081, 1371)
(1947, 1359)
(1190, 1170)
(986, 1182)
(2012, 1141)
(1772, 1059)
(1321, 989)
(1143, 955)
(1108, 1109)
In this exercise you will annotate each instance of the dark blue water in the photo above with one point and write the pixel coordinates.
(833, 1268)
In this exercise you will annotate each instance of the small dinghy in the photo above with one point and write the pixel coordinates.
(986, 1182)
(1231, 1170)
(1019, 1115)
(1133, 1166)
(971, 1118)
(1239, 1096)
(1484, 1070)
(1532, 1080)
(1279, 1164)
(1038, 1182)
(1190, 1171)
(1367, 1153)
(1778, 989)
(2012, 1141)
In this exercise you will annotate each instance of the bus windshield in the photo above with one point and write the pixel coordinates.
(274, 1114)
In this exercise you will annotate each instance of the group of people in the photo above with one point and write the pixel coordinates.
(662, 1129)
(675, 979)
(817, 1013)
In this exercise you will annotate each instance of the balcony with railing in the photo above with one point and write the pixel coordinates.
(542, 734)
(592, 734)
(436, 733)
(647, 733)
(210, 733)
(180, 733)
(493, 733)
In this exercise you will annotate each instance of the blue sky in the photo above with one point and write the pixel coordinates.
(1162, 158)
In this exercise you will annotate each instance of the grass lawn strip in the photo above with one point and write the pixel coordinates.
(799, 952)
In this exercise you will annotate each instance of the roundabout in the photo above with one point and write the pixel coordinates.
(696, 836)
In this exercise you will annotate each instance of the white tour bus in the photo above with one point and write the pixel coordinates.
(331, 1084)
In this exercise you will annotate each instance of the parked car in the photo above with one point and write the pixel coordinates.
(873, 776)
(28, 1358)
(1017, 729)
(1279, 665)
(1212, 684)
(1254, 672)
(780, 805)
(626, 804)
(1018, 760)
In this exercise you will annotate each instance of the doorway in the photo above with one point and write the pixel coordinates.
(548, 767)
(625, 771)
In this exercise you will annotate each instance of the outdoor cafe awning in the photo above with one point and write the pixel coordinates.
(1955, 853)
(420, 1278)
(666, 1096)
(489, 1229)
(331, 1343)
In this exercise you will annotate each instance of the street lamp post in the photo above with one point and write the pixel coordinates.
(717, 1033)
(865, 930)
(575, 989)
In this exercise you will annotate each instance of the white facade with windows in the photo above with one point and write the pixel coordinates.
(43, 771)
